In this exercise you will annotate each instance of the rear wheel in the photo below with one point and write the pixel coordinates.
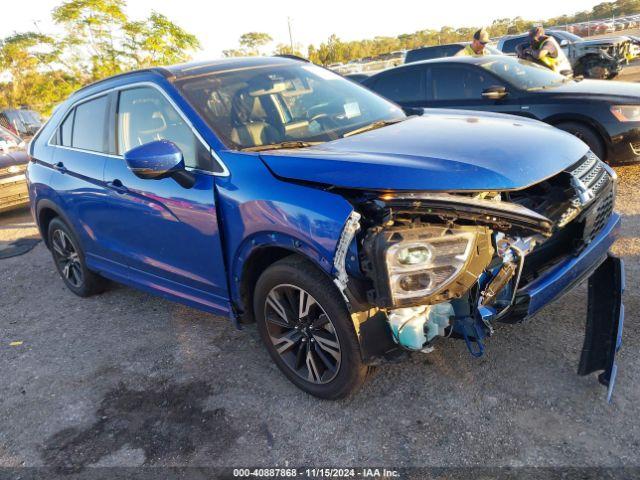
(585, 133)
(70, 261)
(306, 327)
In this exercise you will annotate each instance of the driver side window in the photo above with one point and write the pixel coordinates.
(459, 83)
(145, 115)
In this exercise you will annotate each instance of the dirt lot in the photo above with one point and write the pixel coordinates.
(126, 379)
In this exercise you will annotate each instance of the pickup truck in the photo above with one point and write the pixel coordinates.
(600, 58)
(274, 191)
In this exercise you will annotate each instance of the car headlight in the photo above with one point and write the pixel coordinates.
(428, 264)
(626, 113)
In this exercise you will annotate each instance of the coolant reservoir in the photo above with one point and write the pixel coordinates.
(415, 326)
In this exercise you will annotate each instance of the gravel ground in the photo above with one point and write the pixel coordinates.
(126, 379)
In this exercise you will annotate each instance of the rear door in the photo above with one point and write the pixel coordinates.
(81, 148)
(451, 85)
(166, 234)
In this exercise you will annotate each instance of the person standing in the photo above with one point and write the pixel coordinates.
(544, 50)
(476, 47)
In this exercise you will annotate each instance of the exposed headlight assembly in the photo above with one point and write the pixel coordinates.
(426, 265)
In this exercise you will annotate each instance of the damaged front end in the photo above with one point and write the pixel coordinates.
(434, 265)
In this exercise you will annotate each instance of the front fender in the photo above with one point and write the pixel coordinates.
(258, 210)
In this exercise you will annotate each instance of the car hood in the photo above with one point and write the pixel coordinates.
(603, 41)
(442, 150)
(599, 87)
(17, 157)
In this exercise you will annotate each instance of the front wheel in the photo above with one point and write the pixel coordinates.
(306, 327)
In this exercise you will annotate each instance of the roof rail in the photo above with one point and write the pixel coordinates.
(293, 57)
(162, 71)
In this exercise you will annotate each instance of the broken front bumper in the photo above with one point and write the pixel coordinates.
(559, 279)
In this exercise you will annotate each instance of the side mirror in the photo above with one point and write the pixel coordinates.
(564, 42)
(494, 93)
(409, 111)
(159, 159)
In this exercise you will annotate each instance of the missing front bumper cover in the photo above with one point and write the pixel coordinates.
(605, 319)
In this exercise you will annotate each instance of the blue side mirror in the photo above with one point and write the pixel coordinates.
(155, 160)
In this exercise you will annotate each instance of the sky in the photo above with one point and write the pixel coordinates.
(219, 24)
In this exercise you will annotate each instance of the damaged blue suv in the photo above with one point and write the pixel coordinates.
(270, 190)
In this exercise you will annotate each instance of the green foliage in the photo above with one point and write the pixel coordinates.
(99, 41)
(250, 44)
(335, 50)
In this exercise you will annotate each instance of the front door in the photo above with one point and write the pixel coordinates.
(166, 234)
(461, 86)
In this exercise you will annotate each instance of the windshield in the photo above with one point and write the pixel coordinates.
(271, 104)
(523, 74)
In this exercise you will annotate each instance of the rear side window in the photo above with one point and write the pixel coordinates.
(459, 83)
(145, 115)
(65, 130)
(509, 46)
(89, 125)
(401, 85)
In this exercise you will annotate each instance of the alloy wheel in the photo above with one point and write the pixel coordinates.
(67, 258)
(302, 334)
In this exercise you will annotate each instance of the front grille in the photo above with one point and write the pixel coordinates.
(588, 213)
(591, 174)
(596, 194)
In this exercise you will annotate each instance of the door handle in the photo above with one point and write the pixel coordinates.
(60, 167)
(117, 186)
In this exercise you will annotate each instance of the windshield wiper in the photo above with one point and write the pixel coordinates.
(280, 145)
(373, 126)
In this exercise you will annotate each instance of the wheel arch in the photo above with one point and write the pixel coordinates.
(589, 122)
(256, 255)
(46, 210)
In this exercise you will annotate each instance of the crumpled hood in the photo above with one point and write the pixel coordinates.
(605, 41)
(443, 150)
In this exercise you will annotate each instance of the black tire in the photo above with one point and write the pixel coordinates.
(69, 260)
(585, 133)
(279, 283)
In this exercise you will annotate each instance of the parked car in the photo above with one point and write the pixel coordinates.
(13, 163)
(601, 58)
(605, 115)
(357, 77)
(23, 122)
(275, 191)
(440, 51)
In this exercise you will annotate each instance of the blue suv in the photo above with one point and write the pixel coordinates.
(271, 190)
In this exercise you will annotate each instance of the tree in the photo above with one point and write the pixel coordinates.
(157, 41)
(252, 41)
(100, 40)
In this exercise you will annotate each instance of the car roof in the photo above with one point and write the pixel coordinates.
(468, 60)
(428, 47)
(191, 69)
(459, 59)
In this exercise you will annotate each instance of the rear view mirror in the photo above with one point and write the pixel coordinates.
(494, 93)
(564, 43)
(159, 159)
